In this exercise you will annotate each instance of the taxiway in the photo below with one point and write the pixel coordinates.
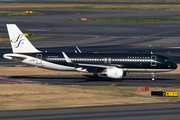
(97, 37)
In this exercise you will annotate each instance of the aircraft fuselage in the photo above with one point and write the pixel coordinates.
(128, 62)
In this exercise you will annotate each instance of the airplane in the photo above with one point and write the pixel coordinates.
(112, 65)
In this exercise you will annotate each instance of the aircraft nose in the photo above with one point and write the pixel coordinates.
(174, 66)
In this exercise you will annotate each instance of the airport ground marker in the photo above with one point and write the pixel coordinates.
(83, 19)
(29, 12)
(74, 19)
(29, 34)
(143, 88)
(164, 94)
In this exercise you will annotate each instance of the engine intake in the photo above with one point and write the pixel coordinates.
(114, 73)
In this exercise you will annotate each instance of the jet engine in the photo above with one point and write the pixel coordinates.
(114, 73)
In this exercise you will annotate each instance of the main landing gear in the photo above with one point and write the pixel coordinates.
(94, 77)
(153, 76)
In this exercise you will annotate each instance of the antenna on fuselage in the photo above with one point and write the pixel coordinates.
(78, 50)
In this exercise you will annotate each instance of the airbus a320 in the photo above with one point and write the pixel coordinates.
(112, 65)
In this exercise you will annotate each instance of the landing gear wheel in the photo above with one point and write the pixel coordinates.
(94, 78)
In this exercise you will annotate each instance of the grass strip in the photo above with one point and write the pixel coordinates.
(137, 19)
(36, 96)
(17, 13)
(5, 38)
(93, 6)
(29, 71)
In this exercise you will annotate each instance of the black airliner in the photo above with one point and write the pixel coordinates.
(112, 65)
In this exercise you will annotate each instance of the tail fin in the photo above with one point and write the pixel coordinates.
(19, 43)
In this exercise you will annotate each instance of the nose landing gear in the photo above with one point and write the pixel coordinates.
(153, 76)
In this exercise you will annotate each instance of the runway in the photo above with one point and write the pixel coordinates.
(81, 2)
(154, 111)
(162, 80)
(97, 37)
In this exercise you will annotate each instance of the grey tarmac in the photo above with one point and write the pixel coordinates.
(94, 37)
(162, 80)
(155, 111)
(81, 2)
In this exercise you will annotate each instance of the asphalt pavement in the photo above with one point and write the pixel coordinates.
(154, 111)
(99, 37)
(81, 2)
(162, 80)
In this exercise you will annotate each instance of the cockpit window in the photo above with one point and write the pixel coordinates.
(167, 60)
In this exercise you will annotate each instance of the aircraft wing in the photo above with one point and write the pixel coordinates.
(94, 67)
(91, 65)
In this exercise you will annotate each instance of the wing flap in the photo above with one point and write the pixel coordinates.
(91, 65)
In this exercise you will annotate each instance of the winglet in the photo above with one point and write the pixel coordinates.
(66, 58)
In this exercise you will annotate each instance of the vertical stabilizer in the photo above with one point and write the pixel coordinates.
(19, 42)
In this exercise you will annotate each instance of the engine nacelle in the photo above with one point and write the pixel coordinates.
(115, 73)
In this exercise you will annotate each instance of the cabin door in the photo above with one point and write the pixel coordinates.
(153, 62)
(39, 59)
